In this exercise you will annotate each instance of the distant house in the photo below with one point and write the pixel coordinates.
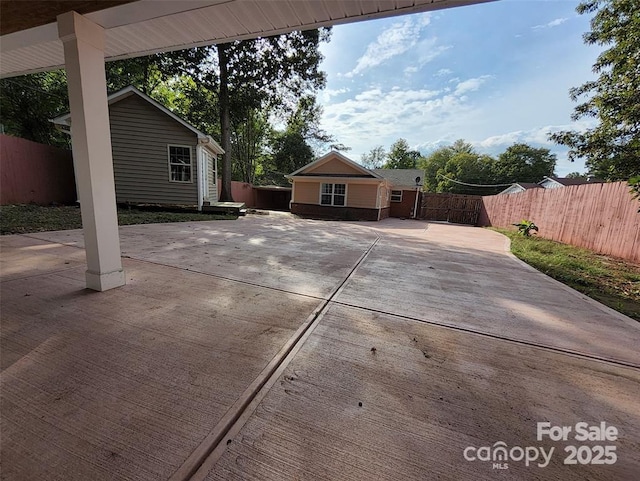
(158, 158)
(519, 187)
(557, 182)
(546, 183)
(336, 187)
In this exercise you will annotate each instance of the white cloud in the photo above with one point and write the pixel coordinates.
(551, 24)
(428, 49)
(539, 135)
(327, 94)
(471, 85)
(375, 115)
(411, 69)
(442, 72)
(394, 40)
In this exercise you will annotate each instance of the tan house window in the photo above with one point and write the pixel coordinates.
(180, 163)
(396, 196)
(333, 194)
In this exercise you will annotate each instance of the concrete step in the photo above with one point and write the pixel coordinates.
(228, 208)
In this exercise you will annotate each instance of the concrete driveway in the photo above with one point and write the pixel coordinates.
(277, 348)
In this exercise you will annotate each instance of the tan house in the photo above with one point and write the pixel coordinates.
(158, 158)
(336, 187)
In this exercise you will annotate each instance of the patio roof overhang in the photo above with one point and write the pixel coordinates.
(39, 35)
(30, 41)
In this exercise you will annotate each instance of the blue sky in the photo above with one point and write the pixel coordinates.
(492, 74)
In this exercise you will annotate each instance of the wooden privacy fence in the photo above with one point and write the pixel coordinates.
(454, 208)
(35, 173)
(600, 217)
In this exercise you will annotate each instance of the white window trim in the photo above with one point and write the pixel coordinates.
(392, 195)
(346, 191)
(169, 163)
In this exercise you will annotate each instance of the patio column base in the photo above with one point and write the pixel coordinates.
(105, 280)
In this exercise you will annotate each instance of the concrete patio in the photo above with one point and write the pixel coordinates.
(278, 348)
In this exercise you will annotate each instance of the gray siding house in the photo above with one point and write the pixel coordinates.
(158, 158)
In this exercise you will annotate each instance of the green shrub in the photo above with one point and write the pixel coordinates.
(525, 227)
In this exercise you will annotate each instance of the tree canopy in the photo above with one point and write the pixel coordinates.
(375, 159)
(523, 163)
(400, 156)
(265, 73)
(611, 149)
(29, 101)
(458, 168)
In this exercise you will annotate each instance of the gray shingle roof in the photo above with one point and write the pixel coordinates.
(401, 177)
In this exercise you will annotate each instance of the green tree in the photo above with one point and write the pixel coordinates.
(375, 159)
(400, 156)
(249, 138)
(194, 102)
(576, 175)
(28, 102)
(523, 163)
(611, 149)
(292, 148)
(290, 152)
(461, 146)
(162, 76)
(271, 72)
(437, 165)
(433, 166)
(306, 121)
(468, 168)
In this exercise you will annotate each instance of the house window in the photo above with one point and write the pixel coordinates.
(180, 163)
(333, 194)
(396, 196)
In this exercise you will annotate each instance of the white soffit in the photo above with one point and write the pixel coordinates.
(150, 26)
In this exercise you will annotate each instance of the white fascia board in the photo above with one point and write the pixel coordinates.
(211, 145)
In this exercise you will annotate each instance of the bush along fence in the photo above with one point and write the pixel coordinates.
(600, 217)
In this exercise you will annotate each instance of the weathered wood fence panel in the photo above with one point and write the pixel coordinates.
(35, 173)
(600, 217)
(455, 208)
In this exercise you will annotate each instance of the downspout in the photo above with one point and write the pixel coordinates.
(415, 207)
(200, 176)
(293, 193)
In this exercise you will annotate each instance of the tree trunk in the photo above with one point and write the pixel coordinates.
(225, 192)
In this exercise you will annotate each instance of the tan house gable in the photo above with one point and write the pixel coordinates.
(334, 163)
(334, 166)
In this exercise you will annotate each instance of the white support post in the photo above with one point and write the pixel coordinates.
(83, 43)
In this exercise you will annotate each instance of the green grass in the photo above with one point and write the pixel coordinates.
(613, 282)
(23, 219)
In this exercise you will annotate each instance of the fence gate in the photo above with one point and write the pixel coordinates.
(454, 208)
